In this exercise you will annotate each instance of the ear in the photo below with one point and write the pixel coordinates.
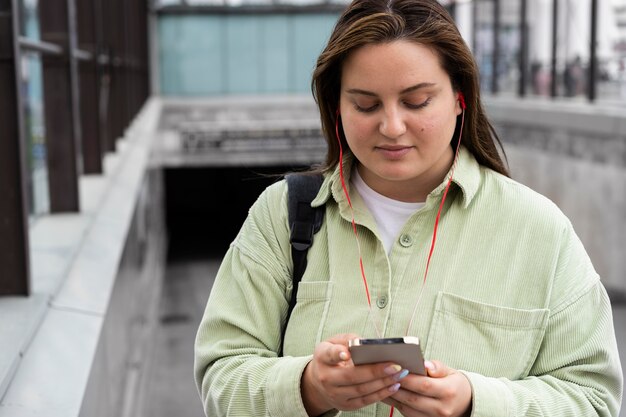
(461, 98)
(461, 106)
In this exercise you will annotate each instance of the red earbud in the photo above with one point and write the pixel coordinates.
(462, 100)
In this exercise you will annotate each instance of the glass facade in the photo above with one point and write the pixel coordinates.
(165, 3)
(34, 134)
(483, 41)
(612, 51)
(29, 19)
(31, 90)
(203, 52)
(539, 48)
(509, 47)
(208, 54)
(571, 62)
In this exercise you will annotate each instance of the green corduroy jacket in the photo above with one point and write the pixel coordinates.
(511, 299)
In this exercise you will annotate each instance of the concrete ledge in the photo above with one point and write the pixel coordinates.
(586, 132)
(239, 131)
(19, 321)
(569, 114)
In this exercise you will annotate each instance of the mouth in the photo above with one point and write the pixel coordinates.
(393, 151)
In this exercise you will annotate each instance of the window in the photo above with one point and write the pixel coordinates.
(31, 88)
(43, 75)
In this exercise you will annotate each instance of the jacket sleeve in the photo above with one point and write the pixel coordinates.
(237, 370)
(577, 371)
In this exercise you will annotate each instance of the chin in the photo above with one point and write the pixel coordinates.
(400, 172)
(399, 177)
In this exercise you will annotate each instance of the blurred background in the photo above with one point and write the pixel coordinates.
(135, 135)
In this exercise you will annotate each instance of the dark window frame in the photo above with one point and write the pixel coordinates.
(75, 134)
(14, 244)
(592, 77)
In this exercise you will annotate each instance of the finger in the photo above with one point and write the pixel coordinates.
(341, 345)
(360, 401)
(365, 379)
(423, 385)
(376, 371)
(405, 409)
(349, 389)
(436, 369)
(334, 350)
(451, 395)
(389, 401)
(397, 405)
(342, 338)
(366, 389)
(423, 405)
(331, 354)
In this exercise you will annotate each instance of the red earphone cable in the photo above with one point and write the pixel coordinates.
(441, 204)
(436, 226)
(345, 190)
(443, 199)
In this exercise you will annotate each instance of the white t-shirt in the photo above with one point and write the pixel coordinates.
(390, 214)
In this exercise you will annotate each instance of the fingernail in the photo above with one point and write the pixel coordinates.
(343, 356)
(392, 369)
(429, 365)
(394, 388)
(401, 375)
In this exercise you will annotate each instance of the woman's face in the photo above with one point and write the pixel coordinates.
(398, 112)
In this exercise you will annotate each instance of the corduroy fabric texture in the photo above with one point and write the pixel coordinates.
(511, 299)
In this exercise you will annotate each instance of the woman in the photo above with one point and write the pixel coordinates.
(511, 316)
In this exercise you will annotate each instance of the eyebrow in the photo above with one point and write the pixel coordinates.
(406, 90)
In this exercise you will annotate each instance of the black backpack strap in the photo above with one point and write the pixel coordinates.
(304, 222)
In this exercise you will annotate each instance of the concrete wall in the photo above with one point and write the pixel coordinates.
(575, 154)
(124, 352)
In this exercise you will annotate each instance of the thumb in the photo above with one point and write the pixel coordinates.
(342, 339)
(436, 369)
(334, 350)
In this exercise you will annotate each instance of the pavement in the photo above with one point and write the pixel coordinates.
(171, 389)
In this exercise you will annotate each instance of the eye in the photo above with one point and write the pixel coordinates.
(417, 106)
(365, 108)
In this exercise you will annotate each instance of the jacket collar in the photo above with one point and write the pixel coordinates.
(466, 177)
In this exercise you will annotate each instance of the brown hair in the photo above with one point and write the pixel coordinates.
(427, 23)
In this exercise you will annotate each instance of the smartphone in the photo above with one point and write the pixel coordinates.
(405, 351)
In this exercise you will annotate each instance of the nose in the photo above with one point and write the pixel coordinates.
(392, 125)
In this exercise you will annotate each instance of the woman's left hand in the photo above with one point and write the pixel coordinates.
(444, 392)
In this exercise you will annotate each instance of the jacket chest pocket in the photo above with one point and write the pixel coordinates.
(308, 315)
(483, 338)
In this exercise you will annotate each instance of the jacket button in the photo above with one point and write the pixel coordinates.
(381, 302)
(406, 240)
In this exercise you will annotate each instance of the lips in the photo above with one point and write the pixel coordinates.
(393, 152)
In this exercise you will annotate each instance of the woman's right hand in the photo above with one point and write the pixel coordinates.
(331, 381)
